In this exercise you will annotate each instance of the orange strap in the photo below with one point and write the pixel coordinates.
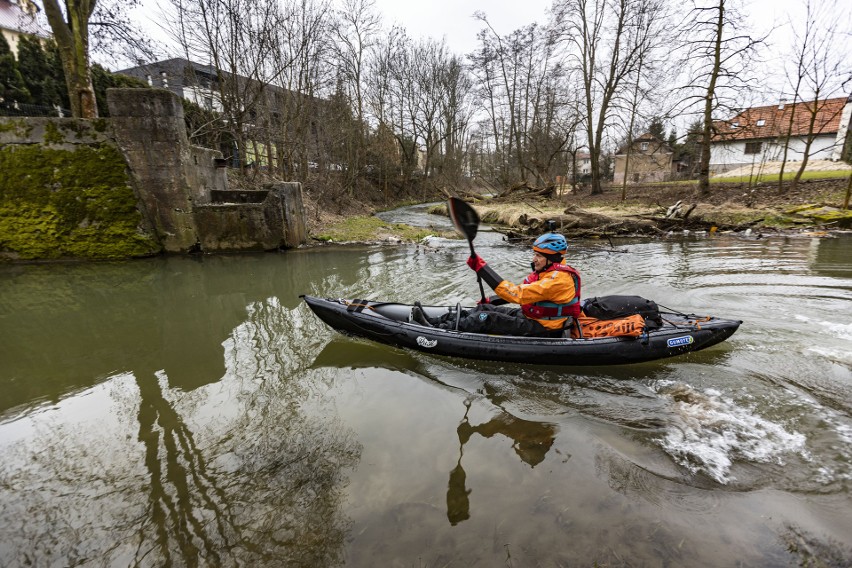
(630, 326)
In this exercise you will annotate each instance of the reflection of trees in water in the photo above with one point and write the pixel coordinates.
(530, 440)
(182, 492)
(244, 472)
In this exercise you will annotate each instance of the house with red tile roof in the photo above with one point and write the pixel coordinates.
(19, 18)
(759, 134)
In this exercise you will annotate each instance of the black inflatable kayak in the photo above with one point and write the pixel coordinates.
(388, 323)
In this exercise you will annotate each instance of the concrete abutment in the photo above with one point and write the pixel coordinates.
(130, 185)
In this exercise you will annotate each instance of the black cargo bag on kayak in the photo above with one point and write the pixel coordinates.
(613, 307)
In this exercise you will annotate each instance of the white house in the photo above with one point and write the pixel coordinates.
(584, 165)
(19, 18)
(758, 134)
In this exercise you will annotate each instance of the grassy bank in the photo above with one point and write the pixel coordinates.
(363, 228)
(788, 176)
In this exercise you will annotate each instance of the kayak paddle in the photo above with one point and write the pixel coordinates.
(466, 221)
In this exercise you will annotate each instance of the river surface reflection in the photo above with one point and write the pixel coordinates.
(192, 411)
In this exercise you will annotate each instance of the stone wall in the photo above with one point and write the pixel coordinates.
(254, 220)
(128, 186)
(65, 192)
(149, 127)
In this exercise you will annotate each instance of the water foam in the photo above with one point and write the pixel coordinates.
(838, 330)
(708, 432)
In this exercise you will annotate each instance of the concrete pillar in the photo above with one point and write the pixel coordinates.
(293, 211)
(148, 125)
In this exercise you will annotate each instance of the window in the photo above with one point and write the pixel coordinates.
(753, 147)
(735, 124)
(761, 122)
(644, 146)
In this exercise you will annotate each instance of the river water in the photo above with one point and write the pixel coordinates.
(193, 411)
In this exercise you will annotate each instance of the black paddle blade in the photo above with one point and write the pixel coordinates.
(464, 217)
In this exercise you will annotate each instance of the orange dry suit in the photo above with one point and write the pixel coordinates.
(549, 297)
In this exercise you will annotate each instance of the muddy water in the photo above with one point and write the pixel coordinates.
(186, 411)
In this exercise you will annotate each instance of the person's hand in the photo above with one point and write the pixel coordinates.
(476, 263)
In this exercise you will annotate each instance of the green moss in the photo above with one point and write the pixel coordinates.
(68, 203)
(828, 216)
(778, 221)
(100, 124)
(20, 127)
(801, 208)
(52, 134)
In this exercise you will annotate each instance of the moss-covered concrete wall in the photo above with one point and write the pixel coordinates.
(65, 192)
(128, 186)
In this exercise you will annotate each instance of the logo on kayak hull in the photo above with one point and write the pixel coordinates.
(423, 342)
(680, 341)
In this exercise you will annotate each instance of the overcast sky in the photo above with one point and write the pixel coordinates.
(453, 20)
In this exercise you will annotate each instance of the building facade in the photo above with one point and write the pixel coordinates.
(650, 161)
(278, 128)
(760, 134)
(20, 18)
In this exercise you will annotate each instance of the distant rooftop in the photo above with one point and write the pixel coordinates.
(773, 120)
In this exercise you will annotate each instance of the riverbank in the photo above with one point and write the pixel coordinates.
(813, 208)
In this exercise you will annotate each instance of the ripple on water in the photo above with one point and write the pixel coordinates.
(708, 432)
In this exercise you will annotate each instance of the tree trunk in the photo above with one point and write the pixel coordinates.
(788, 135)
(72, 38)
(626, 165)
(809, 140)
(707, 132)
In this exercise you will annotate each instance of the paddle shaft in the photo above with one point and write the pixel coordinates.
(466, 220)
(478, 277)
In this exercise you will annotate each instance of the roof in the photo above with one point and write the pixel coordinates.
(660, 146)
(14, 18)
(177, 64)
(774, 120)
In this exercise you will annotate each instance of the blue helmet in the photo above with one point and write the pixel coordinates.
(550, 243)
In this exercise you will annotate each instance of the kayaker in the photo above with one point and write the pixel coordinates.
(549, 297)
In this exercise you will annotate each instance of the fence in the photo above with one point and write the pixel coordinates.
(20, 109)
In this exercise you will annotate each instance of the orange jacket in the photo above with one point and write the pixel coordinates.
(551, 286)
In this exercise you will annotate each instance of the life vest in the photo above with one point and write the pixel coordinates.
(552, 310)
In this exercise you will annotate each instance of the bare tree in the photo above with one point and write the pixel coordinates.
(301, 63)
(527, 97)
(456, 112)
(649, 77)
(384, 95)
(820, 66)
(720, 51)
(356, 32)
(606, 40)
(419, 91)
(238, 40)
